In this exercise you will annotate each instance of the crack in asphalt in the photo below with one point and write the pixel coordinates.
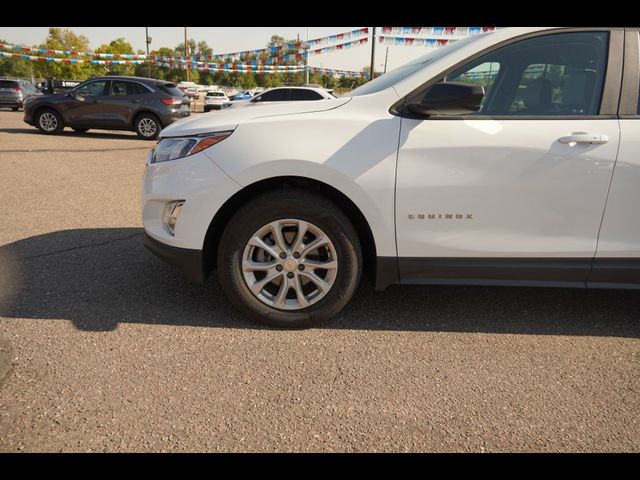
(79, 247)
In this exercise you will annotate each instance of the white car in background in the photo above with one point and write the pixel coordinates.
(215, 101)
(292, 94)
(505, 158)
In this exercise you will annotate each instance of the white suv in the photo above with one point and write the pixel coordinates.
(215, 100)
(507, 158)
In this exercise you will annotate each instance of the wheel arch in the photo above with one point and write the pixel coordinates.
(355, 215)
(47, 106)
(142, 112)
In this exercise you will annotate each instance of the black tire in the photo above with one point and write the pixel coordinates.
(295, 204)
(207, 109)
(46, 125)
(141, 122)
(15, 109)
(80, 130)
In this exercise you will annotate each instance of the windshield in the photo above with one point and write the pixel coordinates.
(394, 76)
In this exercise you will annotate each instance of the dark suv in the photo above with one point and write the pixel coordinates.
(143, 105)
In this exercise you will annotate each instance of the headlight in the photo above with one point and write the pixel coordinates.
(171, 148)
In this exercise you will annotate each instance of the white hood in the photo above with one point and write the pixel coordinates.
(229, 119)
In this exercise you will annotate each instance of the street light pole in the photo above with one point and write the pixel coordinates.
(148, 41)
(306, 58)
(386, 56)
(186, 52)
(373, 54)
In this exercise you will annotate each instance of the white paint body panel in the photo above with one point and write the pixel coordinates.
(348, 143)
(529, 195)
(620, 232)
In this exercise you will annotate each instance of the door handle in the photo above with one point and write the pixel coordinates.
(594, 139)
(135, 101)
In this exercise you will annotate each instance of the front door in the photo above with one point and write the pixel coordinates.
(87, 109)
(515, 192)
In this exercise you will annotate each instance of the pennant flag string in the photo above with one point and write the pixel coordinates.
(334, 72)
(46, 51)
(19, 56)
(463, 31)
(415, 42)
(200, 59)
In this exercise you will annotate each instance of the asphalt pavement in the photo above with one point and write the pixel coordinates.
(103, 347)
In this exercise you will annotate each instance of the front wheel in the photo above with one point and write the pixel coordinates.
(148, 126)
(15, 109)
(49, 122)
(289, 259)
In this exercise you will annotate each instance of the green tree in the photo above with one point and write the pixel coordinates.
(275, 40)
(118, 46)
(247, 81)
(192, 48)
(59, 39)
(204, 49)
(10, 67)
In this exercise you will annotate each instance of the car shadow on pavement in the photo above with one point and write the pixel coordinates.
(104, 134)
(99, 278)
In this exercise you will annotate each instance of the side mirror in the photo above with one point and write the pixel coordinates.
(452, 98)
(75, 96)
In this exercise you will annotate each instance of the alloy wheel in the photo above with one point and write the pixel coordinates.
(289, 264)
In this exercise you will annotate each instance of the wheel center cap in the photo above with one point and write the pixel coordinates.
(290, 265)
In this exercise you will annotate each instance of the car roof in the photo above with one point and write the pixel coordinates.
(135, 79)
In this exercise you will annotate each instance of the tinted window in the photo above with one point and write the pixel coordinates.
(140, 89)
(171, 89)
(120, 88)
(91, 89)
(298, 94)
(8, 84)
(560, 74)
(278, 95)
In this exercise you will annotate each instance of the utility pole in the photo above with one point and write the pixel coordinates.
(373, 54)
(386, 56)
(186, 52)
(306, 59)
(148, 41)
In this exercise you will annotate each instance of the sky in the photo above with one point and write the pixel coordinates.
(231, 39)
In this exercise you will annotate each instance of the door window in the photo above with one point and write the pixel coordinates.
(557, 75)
(92, 89)
(299, 94)
(278, 95)
(121, 88)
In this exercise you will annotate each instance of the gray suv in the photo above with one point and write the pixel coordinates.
(143, 105)
(13, 93)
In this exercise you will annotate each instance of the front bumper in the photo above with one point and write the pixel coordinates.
(188, 261)
(204, 188)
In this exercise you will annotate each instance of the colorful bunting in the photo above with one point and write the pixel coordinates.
(19, 56)
(437, 30)
(71, 52)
